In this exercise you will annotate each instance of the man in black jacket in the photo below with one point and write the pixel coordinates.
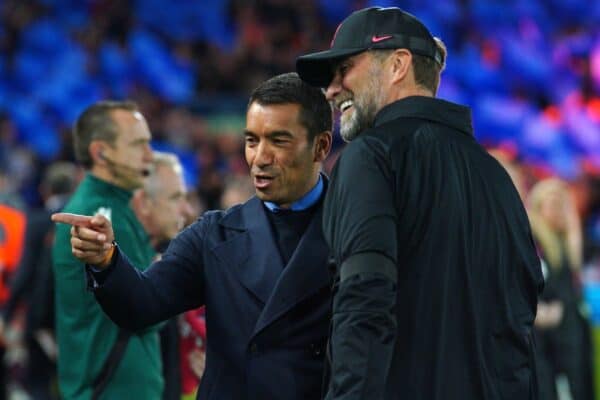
(437, 275)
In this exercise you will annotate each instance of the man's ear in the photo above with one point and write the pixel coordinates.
(322, 146)
(401, 60)
(96, 150)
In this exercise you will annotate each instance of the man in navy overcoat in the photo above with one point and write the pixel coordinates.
(260, 267)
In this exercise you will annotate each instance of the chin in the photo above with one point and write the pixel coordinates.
(270, 199)
(349, 130)
(132, 185)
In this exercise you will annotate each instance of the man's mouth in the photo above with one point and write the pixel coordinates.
(262, 181)
(345, 105)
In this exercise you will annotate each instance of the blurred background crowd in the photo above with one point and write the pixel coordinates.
(530, 70)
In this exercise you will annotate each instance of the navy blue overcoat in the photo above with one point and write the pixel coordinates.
(267, 323)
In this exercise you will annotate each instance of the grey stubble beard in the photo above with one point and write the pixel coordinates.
(363, 115)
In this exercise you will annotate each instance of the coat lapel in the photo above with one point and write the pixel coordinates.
(305, 274)
(252, 252)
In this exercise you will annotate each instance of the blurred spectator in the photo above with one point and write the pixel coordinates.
(237, 190)
(161, 206)
(192, 350)
(8, 195)
(12, 236)
(513, 169)
(593, 224)
(32, 285)
(197, 207)
(163, 209)
(564, 342)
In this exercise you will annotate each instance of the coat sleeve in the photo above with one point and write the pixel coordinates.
(360, 226)
(136, 299)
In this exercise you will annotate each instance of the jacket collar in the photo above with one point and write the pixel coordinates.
(305, 274)
(253, 254)
(103, 186)
(244, 217)
(428, 108)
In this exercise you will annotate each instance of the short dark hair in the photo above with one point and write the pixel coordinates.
(427, 71)
(96, 123)
(315, 111)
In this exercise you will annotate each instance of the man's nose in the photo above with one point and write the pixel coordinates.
(185, 208)
(334, 88)
(264, 155)
(148, 156)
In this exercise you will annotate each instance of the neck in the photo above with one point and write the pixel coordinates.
(107, 175)
(103, 173)
(401, 92)
(155, 240)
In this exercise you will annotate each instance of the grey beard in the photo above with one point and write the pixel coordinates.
(362, 119)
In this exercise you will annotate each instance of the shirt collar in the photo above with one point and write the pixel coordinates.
(303, 203)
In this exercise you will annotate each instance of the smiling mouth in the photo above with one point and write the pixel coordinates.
(345, 105)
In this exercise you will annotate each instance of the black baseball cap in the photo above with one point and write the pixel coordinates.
(369, 28)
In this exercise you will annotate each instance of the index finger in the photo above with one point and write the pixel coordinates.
(72, 219)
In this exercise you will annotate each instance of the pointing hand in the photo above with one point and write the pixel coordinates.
(91, 237)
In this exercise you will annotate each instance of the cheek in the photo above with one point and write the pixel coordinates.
(174, 211)
(298, 168)
(137, 153)
(286, 165)
(168, 222)
(249, 154)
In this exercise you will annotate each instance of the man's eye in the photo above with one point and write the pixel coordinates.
(250, 140)
(343, 68)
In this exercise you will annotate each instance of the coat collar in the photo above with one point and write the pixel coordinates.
(428, 108)
(304, 275)
(253, 253)
(259, 266)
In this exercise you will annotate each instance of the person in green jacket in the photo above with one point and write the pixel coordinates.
(112, 141)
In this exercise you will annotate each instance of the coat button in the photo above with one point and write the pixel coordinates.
(253, 348)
